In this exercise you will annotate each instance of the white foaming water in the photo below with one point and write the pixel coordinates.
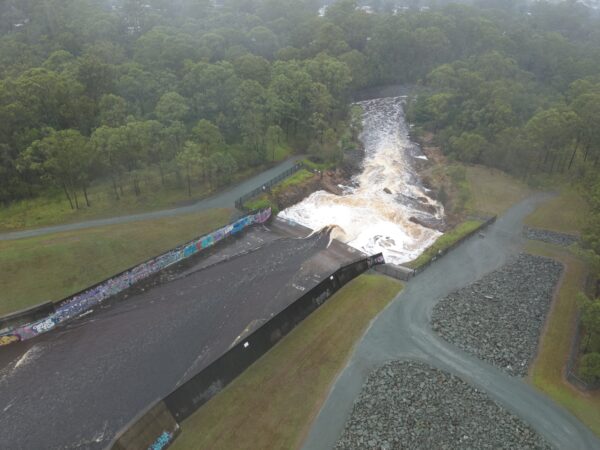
(367, 217)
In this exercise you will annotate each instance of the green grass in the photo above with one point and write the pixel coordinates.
(546, 373)
(51, 267)
(298, 178)
(492, 191)
(261, 202)
(269, 199)
(317, 166)
(272, 404)
(565, 213)
(445, 241)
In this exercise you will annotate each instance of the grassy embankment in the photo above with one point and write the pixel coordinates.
(53, 208)
(273, 403)
(445, 241)
(474, 191)
(51, 267)
(270, 199)
(564, 213)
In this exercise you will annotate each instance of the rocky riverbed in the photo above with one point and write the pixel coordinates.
(499, 318)
(409, 405)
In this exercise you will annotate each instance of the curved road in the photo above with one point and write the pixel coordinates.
(222, 199)
(403, 332)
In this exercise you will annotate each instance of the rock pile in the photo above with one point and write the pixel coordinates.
(551, 237)
(409, 405)
(499, 318)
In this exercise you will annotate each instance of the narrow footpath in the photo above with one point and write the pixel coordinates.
(223, 199)
(403, 332)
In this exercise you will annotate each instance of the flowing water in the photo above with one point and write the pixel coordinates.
(385, 208)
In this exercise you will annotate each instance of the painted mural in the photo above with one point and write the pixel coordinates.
(83, 301)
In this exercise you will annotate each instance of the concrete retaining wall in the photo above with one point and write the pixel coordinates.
(24, 316)
(394, 271)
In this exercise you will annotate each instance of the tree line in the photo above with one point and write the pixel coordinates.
(104, 90)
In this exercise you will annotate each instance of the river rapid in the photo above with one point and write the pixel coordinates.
(386, 207)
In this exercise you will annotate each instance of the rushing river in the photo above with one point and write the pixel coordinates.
(384, 209)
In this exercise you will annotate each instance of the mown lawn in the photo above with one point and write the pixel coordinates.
(272, 404)
(546, 373)
(50, 267)
(565, 213)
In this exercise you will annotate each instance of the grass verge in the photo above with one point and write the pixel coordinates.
(272, 404)
(493, 191)
(546, 372)
(53, 266)
(270, 199)
(445, 241)
(565, 213)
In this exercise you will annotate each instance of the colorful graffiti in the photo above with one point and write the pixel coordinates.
(83, 301)
(9, 339)
(375, 260)
(162, 441)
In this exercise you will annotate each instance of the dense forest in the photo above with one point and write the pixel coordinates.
(195, 90)
(104, 89)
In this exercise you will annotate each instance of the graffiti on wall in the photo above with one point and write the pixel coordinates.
(83, 301)
(375, 260)
(9, 339)
(162, 441)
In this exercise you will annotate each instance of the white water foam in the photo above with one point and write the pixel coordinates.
(367, 217)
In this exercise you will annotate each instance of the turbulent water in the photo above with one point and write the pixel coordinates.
(367, 217)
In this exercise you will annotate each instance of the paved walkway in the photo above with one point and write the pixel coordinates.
(224, 199)
(403, 331)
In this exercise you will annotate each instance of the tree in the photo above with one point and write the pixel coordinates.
(550, 131)
(221, 166)
(190, 158)
(250, 106)
(469, 147)
(64, 158)
(590, 317)
(263, 41)
(171, 107)
(252, 67)
(590, 367)
(208, 137)
(112, 110)
(104, 142)
(587, 108)
(274, 138)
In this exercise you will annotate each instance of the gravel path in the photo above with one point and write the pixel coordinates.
(499, 318)
(551, 237)
(411, 405)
